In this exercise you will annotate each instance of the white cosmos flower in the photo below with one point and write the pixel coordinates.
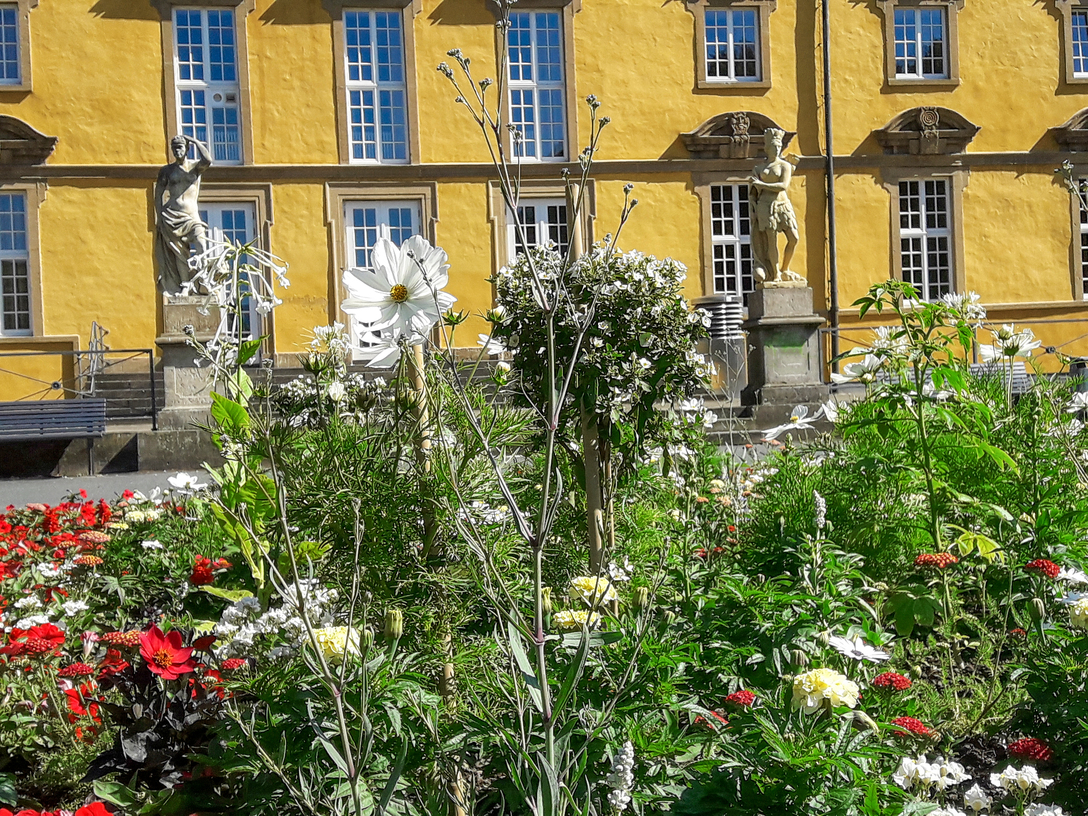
(493, 346)
(858, 649)
(798, 422)
(183, 481)
(1078, 403)
(863, 370)
(1008, 342)
(1072, 575)
(830, 410)
(403, 287)
(384, 350)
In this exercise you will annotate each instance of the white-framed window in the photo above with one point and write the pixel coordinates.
(206, 78)
(364, 223)
(1083, 219)
(925, 236)
(377, 92)
(921, 38)
(731, 240)
(1079, 26)
(10, 59)
(732, 45)
(14, 267)
(236, 222)
(537, 91)
(543, 223)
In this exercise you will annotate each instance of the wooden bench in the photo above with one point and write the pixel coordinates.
(54, 419)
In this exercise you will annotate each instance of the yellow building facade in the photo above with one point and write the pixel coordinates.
(330, 125)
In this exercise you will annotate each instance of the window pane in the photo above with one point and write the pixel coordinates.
(1080, 42)
(730, 235)
(9, 45)
(537, 95)
(377, 93)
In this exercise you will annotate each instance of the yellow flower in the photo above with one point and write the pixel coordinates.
(812, 688)
(1078, 613)
(593, 590)
(576, 619)
(336, 641)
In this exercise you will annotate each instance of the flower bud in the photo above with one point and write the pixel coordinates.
(798, 658)
(368, 638)
(394, 624)
(641, 599)
(670, 615)
(546, 597)
(824, 638)
(863, 720)
(1037, 609)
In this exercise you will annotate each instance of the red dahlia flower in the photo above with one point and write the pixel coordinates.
(37, 640)
(164, 654)
(935, 560)
(93, 809)
(112, 663)
(913, 726)
(741, 699)
(891, 681)
(1043, 567)
(1031, 748)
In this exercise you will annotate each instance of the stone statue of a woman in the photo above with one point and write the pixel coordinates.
(772, 213)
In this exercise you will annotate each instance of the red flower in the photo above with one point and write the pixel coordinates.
(37, 640)
(202, 644)
(935, 560)
(104, 513)
(112, 663)
(913, 726)
(741, 699)
(89, 561)
(232, 663)
(889, 681)
(202, 571)
(164, 654)
(127, 639)
(76, 670)
(93, 809)
(1018, 632)
(1043, 567)
(1031, 748)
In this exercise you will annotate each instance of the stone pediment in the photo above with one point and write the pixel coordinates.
(1073, 135)
(926, 131)
(733, 135)
(22, 144)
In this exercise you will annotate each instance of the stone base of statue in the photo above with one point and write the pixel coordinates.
(783, 346)
(187, 401)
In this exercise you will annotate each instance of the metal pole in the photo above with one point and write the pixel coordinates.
(829, 133)
(154, 400)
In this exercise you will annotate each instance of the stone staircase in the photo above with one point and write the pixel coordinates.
(128, 394)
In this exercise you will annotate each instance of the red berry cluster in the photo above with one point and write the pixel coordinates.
(232, 663)
(741, 699)
(127, 639)
(89, 561)
(76, 670)
(1043, 567)
(913, 726)
(1031, 748)
(935, 560)
(891, 681)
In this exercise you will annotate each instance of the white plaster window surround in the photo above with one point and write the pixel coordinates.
(1074, 35)
(16, 305)
(206, 69)
(15, 45)
(544, 222)
(925, 236)
(1083, 224)
(537, 84)
(730, 241)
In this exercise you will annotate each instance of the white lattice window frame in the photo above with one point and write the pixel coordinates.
(376, 86)
(916, 40)
(730, 240)
(731, 15)
(16, 284)
(544, 221)
(531, 148)
(929, 238)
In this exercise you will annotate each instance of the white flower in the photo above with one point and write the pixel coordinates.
(1038, 809)
(863, 370)
(830, 410)
(384, 350)
(950, 773)
(31, 620)
(402, 288)
(1078, 403)
(858, 649)
(947, 810)
(622, 778)
(618, 573)
(798, 422)
(337, 392)
(1072, 575)
(151, 544)
(490, 344)
(889, 338)
(976, 799)
(1020, 779)
(1009, 343)
(813, 688)
(29, 602)
(74, 608)
(908, 773)
(184, 482)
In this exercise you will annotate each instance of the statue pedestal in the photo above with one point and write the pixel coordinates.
(783, 346)
(188, 400)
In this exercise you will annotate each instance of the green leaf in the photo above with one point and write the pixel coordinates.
(549, 798)
(116, 793)
(231, 417)
(527, 673)
(247, 349)
(232, 595)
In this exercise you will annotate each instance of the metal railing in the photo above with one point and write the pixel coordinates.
(82, 377)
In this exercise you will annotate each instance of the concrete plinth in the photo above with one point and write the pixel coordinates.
(783, 347)
(187, 401)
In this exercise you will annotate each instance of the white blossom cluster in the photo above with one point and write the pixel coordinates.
(921, 774)
(622, 778)
(302, 399)
(34, 613)
(695, 412)
(1022, 780)
(480, 512)
(243, 623)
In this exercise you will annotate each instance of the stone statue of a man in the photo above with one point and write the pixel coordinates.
(772, 213)
(177, 217)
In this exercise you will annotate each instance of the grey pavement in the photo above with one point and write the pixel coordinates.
(51, 491)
